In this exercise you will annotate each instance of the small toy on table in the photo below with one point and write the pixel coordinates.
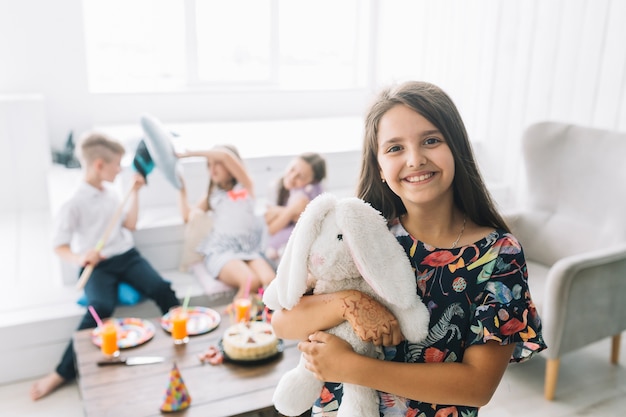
(212, 356)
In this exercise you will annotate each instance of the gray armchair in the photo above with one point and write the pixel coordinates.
(573, 231)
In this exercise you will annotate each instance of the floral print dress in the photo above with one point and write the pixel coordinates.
(475, 293)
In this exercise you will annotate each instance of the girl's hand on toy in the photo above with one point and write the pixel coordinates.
(326, 355)
(371, 321)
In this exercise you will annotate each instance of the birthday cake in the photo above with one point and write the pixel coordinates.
(250, 341)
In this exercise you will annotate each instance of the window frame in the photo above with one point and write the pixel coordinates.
(362, 68)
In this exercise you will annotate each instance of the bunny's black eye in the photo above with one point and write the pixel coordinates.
(339, 236)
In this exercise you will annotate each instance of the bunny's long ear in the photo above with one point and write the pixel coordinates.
(381, 260)
(290, 283)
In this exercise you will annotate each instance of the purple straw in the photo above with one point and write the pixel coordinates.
(95, 315)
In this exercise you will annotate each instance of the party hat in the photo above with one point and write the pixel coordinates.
(176, 395)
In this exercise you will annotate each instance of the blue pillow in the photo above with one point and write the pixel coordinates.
(160, 146)
(126, 296)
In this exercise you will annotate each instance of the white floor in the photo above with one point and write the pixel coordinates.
(588, 386)
(16, 402)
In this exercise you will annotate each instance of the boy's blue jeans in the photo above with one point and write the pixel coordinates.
(101, 292)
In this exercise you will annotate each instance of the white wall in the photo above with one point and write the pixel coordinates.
(41, 50)
(511, 63)
(24, 153)
(505, 63)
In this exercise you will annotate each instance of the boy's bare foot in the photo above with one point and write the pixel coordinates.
(45, 385)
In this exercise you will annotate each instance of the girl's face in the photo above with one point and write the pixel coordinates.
(414, 158)
(219, 174)
(299, 173)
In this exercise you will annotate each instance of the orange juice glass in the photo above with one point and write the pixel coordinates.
(179, 319)
(109, 340)
(242, 309)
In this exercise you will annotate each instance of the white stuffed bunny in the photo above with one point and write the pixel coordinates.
(341, 244)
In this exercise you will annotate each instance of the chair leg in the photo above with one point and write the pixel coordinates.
(615, 346)
(552, 376)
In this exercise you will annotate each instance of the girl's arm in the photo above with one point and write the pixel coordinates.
(183, 201)
(471, 382)
(370, 320)
(235, 167)
(279, 217)
(230, 162)
(313, 312)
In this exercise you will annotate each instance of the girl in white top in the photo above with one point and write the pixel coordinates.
(233, 249)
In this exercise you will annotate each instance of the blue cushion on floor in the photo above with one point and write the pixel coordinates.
(126, 296)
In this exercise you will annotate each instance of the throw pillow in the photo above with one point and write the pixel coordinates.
(196, 229)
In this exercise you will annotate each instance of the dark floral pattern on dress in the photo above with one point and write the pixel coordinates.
(475, 293)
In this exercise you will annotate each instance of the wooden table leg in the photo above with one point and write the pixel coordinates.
(615, 346)
(552, 376)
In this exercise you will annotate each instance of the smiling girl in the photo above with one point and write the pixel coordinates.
(419, 171)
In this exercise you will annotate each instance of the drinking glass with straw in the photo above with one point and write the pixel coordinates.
(180, 317)
(244, 304)
(108, 335)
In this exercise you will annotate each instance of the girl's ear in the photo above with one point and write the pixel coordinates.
(381, 260)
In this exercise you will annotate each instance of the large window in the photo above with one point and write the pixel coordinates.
(190, 45)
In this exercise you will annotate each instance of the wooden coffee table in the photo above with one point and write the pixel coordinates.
(228, 389)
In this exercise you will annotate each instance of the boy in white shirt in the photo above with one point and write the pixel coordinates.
(81, 223)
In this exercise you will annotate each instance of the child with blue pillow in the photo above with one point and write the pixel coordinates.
(80, 224)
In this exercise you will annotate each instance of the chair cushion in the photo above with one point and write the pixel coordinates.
(196, 230)
(573, 175)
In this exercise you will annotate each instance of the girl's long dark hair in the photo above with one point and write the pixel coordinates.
(470, 193)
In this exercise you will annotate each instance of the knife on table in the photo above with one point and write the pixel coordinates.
(133, 360)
